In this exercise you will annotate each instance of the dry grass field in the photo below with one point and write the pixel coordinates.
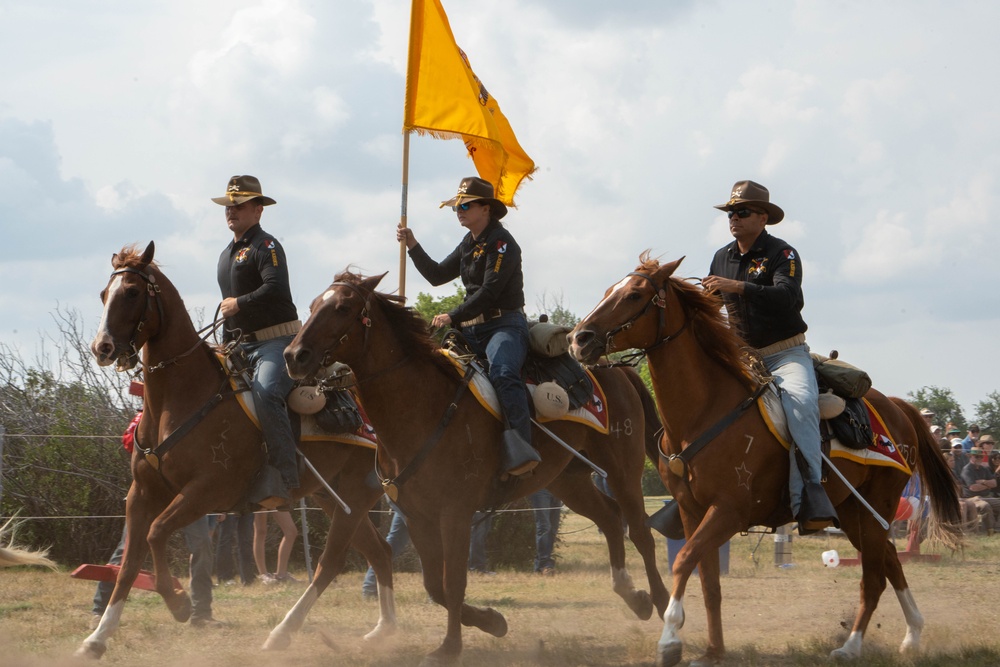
(773, 616)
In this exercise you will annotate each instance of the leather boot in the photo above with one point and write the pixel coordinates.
(667, 521)
(519, 457)
(816, 511)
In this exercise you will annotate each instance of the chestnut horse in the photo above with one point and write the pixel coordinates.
(445, 469)
(212, 465)
(700, 372)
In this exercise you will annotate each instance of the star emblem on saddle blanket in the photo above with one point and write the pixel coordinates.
(744, 476)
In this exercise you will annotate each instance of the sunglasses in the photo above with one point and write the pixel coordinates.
(463, 207)
(741, 212)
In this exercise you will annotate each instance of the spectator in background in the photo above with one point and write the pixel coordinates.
(928, 416)
(938, 434)
(987, 444)
(981, 487)
(397, 537)
(235, 531)
(288, 534)
(972, 439)
(959, 457)
(481, 524)
(547, 510)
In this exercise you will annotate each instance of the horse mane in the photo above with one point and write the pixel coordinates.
(412, 330)
(706, 313)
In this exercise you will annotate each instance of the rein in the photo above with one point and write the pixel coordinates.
(152, 294)
(660, 301)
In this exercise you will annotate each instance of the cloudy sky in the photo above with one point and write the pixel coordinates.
(873, 125)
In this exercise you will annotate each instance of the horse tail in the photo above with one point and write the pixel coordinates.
(938, 482)
(12, 555)
(654, 426)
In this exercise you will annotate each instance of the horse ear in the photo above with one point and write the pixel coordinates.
(667, 270)
(147, 254)
(372, 282)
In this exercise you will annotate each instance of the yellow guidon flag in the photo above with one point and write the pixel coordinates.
(445, 98)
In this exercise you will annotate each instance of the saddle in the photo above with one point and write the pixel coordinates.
(843, 413)
(539, 368)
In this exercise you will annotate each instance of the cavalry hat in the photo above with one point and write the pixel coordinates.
(473, 188)
(748, 193)
(242, 189)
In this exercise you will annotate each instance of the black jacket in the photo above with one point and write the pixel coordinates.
(490, 268)
(770, 308)
(254, 271)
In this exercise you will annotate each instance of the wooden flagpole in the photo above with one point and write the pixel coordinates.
(402, 213)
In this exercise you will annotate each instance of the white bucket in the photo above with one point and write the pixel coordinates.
(831, 558)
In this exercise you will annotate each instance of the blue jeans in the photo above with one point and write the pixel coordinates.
(236, 530)
(504, 343)
(794, 373)
(199, 542)
(397, 537)
(547, 510)
(481, 524)
(271, 385)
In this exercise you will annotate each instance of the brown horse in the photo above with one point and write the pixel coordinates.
(440, 450)
(700, 372)
(213, 463)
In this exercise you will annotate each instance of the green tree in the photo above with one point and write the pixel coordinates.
(988, 414)
(427, 306)
(941, 402)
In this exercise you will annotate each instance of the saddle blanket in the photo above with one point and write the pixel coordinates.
(882, 452)
(594, 413)
(311, 432)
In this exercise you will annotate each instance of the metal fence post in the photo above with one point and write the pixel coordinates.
(305, 538)
(2, 432)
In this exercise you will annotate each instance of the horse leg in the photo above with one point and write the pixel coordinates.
(378, 553)
(576, 489)
(914, 619)
(702, 550)
(630, 500)
(179, 513)
(872, 541)
(136, 548)
(353, 529)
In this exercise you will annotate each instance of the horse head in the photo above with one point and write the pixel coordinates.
(632, 314)
(130, 298)
(337, 327)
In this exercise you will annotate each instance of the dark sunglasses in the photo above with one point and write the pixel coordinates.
(463, 207)
(741, 212)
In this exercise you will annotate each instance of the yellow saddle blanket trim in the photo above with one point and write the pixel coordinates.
(882, 453)
(311, 432)
(594, 414)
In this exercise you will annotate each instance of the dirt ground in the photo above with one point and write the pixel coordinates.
(772, 616)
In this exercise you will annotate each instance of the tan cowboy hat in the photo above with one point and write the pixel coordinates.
(986, 438)
(242, 189)
(473, 188)
(748, 193)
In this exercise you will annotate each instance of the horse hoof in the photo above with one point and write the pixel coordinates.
(381, 631)
(181, 610)
(436, 660)
(840, 655)
(642, 605)
(669, 654)
(277, 641)
(704, 661)
(495, 624)
(91, 651)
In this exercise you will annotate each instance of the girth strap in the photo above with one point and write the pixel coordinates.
(391, 486)
(678, 462)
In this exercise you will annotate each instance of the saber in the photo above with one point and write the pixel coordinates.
(326, 486)
(596, 468)
(878, 517)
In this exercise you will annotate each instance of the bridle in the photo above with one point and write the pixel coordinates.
(363, 318)
(660, 301)
(152, 296)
